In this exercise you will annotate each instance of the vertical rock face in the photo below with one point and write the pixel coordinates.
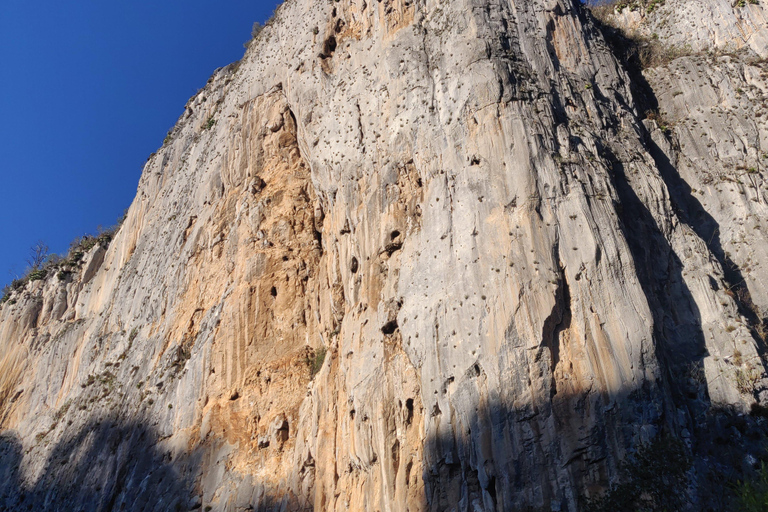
(405, 255)
(699, 25)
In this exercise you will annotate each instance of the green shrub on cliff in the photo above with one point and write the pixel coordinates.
(752, 495)
(316, 362)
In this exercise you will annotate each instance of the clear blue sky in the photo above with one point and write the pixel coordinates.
(88, 89)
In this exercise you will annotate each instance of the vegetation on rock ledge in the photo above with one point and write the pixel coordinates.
(41, 263)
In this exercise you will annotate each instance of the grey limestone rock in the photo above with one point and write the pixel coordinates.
(407, 255)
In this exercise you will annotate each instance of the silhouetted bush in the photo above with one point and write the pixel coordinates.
(41, 263)
(655, 478)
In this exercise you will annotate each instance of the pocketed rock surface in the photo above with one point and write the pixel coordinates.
(406, 255)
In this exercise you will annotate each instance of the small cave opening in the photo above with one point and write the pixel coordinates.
(329, 46)
(389, 327)
(492, 488)
(354, 265)
(273, 292)
(395, 242)
(408, 411)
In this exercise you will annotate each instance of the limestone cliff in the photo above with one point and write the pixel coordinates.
(410, 255)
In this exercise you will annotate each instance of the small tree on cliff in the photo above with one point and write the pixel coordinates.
(38, 254)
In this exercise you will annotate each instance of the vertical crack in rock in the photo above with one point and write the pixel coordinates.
(556, 330)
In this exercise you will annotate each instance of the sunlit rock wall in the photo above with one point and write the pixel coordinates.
(459, 205)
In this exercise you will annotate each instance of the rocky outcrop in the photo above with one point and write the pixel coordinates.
(698, 25)
(403, 256)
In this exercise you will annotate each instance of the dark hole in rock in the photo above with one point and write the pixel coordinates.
(389, 327)
(396, 455)
(394, 234)
(353, 265)
(392, 247)
(329, 46)
(257, 185)
(285, 258)
(235, 395)
(352, 414)
(273, 292)
(409, 411)
(492, 487)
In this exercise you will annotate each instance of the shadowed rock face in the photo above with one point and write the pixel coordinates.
(403, 256)
(104, 466)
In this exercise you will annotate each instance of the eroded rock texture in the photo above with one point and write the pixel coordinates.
(700, 25)
(516, 278)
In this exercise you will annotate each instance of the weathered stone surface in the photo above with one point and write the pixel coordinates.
(700, 25)
(715, 108)
(459, 202)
